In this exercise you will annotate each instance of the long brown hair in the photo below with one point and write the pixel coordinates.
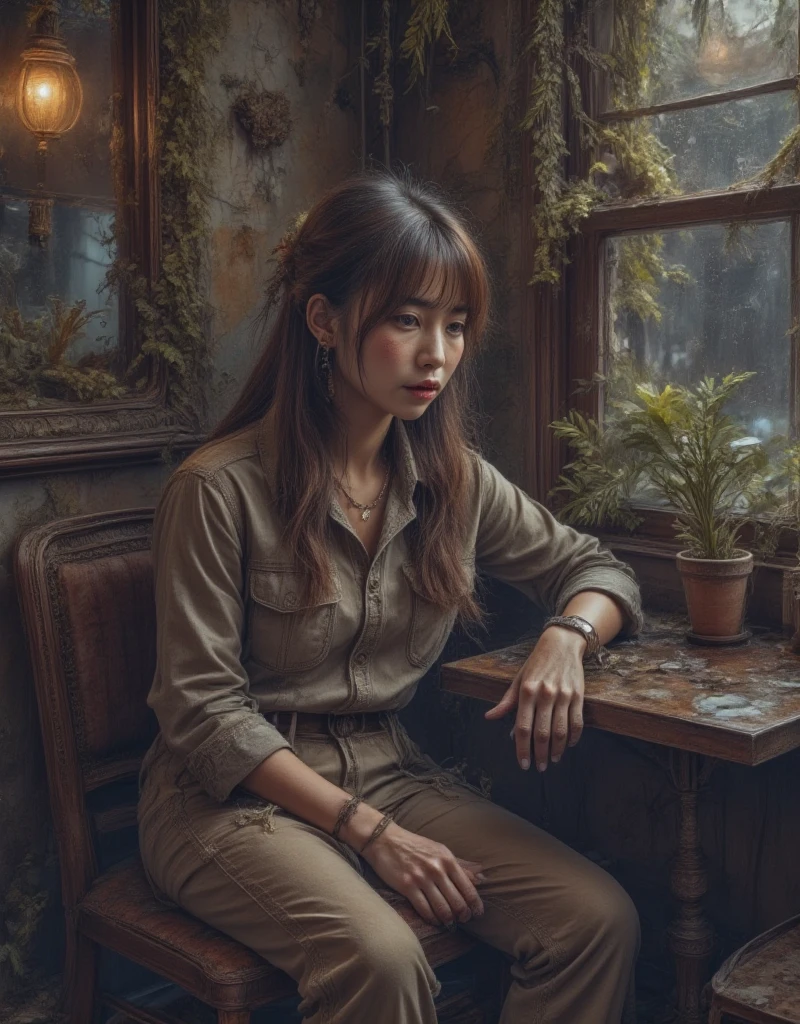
(381, 235)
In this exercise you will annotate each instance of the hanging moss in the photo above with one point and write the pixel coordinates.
(784, 167)
(643, 163)
(560, 206)
(427, 24)
(641, 272)
(382, 86)
(264, 115)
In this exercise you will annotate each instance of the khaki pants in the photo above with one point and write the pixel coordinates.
(298, 897)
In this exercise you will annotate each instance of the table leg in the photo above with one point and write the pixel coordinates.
(690, 933)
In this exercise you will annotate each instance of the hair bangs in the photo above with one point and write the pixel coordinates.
(432, 259)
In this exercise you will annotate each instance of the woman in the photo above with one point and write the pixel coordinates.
(311, 560)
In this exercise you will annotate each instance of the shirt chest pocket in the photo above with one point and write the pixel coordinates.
(285, 634)
(429, 625)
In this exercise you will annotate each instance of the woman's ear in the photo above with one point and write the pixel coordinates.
(320, 320)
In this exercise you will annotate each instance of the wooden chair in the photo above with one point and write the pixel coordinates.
(760, 983)
(86, 592)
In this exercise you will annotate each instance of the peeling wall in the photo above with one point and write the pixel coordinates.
(254, 198)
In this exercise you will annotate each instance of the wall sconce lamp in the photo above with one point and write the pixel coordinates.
(49, 101)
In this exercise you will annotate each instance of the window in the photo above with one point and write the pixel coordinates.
(701, 276)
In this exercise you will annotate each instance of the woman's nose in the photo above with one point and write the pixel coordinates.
(433, 350)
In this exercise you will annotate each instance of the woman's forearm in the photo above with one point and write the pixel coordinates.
(439, 885)
(602, 611)
(285, 780)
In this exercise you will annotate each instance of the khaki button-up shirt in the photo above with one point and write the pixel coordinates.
(232, 644)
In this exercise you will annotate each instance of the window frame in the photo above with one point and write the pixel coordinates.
(566, 323)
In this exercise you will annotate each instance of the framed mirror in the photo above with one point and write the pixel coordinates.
(79, 236)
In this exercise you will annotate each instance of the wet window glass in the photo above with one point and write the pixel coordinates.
(720, 145)
(703, 46)
(710, 300)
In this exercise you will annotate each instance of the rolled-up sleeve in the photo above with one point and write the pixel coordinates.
(520, 542)
(200, 692)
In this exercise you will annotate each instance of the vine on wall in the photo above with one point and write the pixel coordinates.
(175, 315)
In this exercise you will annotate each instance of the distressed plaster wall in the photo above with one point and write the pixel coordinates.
(253, 199)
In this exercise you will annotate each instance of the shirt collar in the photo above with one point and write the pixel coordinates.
(408, 475)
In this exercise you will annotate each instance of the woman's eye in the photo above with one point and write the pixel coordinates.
(457, 327)
(406, 319)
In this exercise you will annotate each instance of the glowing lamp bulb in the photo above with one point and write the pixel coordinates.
(49, 94)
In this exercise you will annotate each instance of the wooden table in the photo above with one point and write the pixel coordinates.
(701, 705)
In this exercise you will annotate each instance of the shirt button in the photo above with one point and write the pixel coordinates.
(360, 658)
(290, 600)
(373, 584)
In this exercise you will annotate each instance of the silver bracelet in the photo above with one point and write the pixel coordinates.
(346, 812)
(578, 624)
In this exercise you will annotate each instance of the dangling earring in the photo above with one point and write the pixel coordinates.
(327, 372)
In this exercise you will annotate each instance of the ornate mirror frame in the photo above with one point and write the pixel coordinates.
(140, 426)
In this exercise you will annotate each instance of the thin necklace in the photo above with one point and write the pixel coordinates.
(366, 509)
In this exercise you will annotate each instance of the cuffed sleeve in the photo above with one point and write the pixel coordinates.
(520, 542)
(200, 692)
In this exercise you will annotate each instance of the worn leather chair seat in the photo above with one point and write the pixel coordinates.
(121, 912)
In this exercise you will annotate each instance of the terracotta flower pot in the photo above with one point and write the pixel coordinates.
(715, 594)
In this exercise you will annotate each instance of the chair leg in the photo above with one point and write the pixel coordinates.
(80, 970)
(233, 1017)
(715, 1016)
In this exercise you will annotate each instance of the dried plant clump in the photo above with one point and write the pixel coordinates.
(264, 115)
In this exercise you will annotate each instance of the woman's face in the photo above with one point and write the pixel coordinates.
(418, 341)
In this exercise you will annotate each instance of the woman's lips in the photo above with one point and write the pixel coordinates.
(425, 393)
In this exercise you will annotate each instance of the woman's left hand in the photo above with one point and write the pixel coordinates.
(548, 694)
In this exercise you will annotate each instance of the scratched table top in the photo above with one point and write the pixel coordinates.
(738, 703)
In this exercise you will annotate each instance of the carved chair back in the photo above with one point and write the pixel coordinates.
(85, 586)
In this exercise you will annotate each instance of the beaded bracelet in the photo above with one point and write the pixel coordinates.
(382, 825)
(347, 811)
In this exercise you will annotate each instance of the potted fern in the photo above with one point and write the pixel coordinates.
(675, 446)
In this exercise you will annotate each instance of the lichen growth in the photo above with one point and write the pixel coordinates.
(264, 115)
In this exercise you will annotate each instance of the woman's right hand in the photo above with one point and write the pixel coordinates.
(439, 885)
